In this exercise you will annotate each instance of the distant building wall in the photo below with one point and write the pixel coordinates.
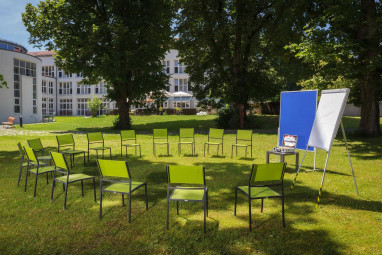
(351, 110)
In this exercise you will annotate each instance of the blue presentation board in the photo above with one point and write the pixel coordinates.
(297, 113)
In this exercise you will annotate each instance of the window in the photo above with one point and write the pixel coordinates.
(82, 106)
(51, 87)
(182, 104)
(105, 107)
(65, 88)
(179, 67)
(83, 89)
(100, 89)
(44, 88)
(44, 106)
(65, 107)
(79, 75)
(48, 71)
(24, 67)
(34, 95)
(165, 104)
(181, 85)
(51, 106)
(62, 74)
(166, 66)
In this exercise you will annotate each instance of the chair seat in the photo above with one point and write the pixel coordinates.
(74, 177)
(241, 145)
(100, 148)
(161, 142)
(72, 152)
(187, 142)
(187, 194)
(41, 170)
(122, 187)
(212, 143)
(131, 144)
(259, 192)
(44, 158)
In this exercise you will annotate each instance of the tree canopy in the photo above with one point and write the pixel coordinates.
(121, 42)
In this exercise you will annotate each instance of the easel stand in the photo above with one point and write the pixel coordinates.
(326, 164)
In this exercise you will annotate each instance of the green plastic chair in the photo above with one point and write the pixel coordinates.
(129, 136)
(263, 180)
(160, 137)
(33, 161)
(243, 136)
(68, 141)
(194, 191)
(186, 136)
(62, 167)
(118, 173)
(22, 163)
(216, 137)
(37, 146)
(97, 138)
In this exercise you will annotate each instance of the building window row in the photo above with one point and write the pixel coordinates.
(34, 93)
(24, 67)
(181, 85)
(47, 87)
(66, 107)
(48, 71)
(82, 106)
(83, 89)
(65, 88)
(47, 106)
(178, 67)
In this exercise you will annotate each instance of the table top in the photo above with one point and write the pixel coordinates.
(282, 153)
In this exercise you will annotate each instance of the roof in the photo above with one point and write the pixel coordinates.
(42, 53)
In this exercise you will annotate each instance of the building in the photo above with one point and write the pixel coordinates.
(37, 88)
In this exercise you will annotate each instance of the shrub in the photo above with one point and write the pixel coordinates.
(229, 118)
(95, 105)
(117, 125)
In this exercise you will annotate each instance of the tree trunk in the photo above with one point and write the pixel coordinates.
(369, 124)
(241, 108)
(124, 111)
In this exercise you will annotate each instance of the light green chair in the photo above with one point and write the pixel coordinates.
(36, 145)
(62, 167)
(118, 173)
(160, 137)
(65, 141)
(186, 136)
(97, 138)
(37, 169)
(194, 191)
(130, 138)
(215, 137)
(244, 137)
(22, 163)
(263, 180)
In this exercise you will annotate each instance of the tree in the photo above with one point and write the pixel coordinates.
(342, 44)
(233, 48)
(3, 83)
(95, 105)
(121, 42)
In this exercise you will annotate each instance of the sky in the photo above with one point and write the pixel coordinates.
(11, 24)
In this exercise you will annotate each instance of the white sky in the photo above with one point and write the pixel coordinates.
(11, 24)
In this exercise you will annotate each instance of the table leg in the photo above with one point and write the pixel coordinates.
(267, 157)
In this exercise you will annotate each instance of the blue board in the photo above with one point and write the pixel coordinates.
(297, 113)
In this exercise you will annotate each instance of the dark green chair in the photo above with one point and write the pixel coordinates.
(36, 145)
(264, 182)
(243, 139)
(38, 169)
(215, 137)
(130, 138)
(65, 141)
(118, 173)
(62, 167)
(97, 138)
(22, 163)
(160, 137)
(194, 191)
(186, 136)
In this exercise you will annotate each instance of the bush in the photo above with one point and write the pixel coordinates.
(117, 125)
(95, 105)
(229, 118)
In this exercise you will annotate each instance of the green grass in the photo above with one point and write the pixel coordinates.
(343, 224)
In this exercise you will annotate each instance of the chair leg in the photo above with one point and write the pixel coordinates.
(110, 153)
(283, 212)
(140, 151)
(20, 173)
(51, 195)
(168, 212)
(262, 204)
(47, 178)
(100, 203)
(35, 185)
(66, 195)
(232, 152)
(205, 212)
(123, 200)
(147, 198)
(179, 148)
(26, 179)
(82, 188)
(129, 207)
(217, 151)
(88, 154)
(95, 196)
(207, 201)
(250, 214)
(177, 207)
(121, 150)
(234, 212)
(168, 149)
(204, 150)
(245, 153)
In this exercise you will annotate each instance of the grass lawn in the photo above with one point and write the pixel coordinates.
(343, 224)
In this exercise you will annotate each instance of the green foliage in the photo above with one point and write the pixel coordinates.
(117, 125)
(3, 83)
(229, 118)
(94, 105)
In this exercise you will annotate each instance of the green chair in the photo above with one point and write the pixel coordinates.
(33, 161)
(65, 141)
(22, 163)
(160, 137)
(129, 136)
(215, 137)
(37, 146)
(263, 181)
(186, 136)
(97, 138)
(194, 191)
(62, 167)
(243, 136)
(118, 173)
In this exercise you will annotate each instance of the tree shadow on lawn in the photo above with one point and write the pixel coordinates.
(369, 149)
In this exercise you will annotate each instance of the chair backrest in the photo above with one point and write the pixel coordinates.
(11, 120)
(35, 144)
(31, 154)
(21, 150)
(271, 173)
(244, 135)
(185, 175)
(113, 168)
(95, 137)
(65, 140)
(160, 133)
(128, 135)
(59, 160)
(186, 133)
(215, 133)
